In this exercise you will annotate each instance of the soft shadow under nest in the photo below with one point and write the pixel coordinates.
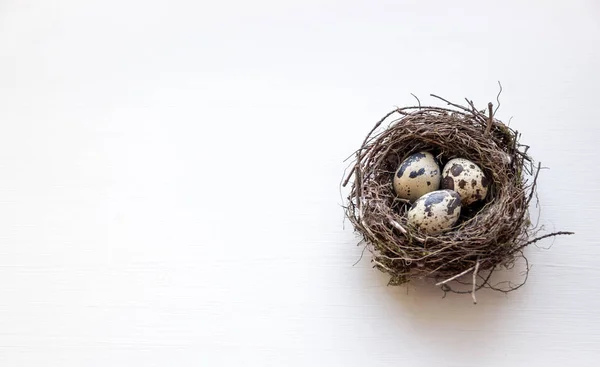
(486, 238)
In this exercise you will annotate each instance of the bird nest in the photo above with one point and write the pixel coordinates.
(487, 237)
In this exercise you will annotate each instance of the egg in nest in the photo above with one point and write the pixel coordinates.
(466, 178)
(417, 175)
(435, 212)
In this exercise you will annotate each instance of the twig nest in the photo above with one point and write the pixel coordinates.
(483, 164)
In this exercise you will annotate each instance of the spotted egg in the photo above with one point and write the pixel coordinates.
(417, 175)
(466, 178)
(435, 212)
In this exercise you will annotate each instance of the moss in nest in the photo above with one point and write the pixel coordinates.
(487, 237)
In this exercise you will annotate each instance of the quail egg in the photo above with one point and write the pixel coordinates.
(417, 175)
(435, 212)
(466, 178)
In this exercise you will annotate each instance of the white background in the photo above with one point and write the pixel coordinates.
(169, 177)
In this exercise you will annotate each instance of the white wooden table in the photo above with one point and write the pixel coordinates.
(169, 177)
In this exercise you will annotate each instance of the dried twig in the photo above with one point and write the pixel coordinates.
(475, 279)
(498, 99)
(490, 119)
(454, 277)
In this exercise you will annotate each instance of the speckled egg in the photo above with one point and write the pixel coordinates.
(435, 212)
(417, 175)
(466, 178)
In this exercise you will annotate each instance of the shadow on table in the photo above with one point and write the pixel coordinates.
(429, 309)
(452, 325)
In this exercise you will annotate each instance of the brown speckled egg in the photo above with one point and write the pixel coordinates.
(417, 175)
(466, 178)
(435, 212)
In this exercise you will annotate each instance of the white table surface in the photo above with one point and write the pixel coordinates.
(169, 178)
